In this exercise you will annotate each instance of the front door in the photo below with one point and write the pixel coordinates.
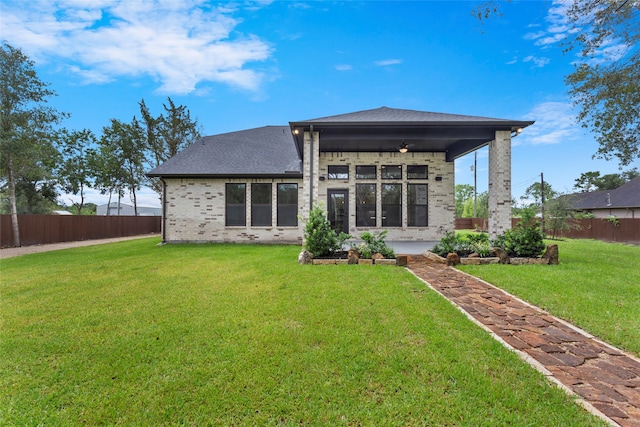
(338, 209)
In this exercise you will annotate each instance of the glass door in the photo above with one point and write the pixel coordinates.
(338, 209)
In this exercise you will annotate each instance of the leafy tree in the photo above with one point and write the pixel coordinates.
(463, 192)
(26, 124)
(76, 172)
(587, 182)
(168, 134)
(535, 191)
(559, 215)
(606, 84)
(122, 165)
(592, 181)
(482, 206)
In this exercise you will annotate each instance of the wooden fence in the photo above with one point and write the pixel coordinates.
(42, 229)
(626, 230)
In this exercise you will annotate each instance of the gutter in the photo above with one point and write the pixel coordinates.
(164, 210)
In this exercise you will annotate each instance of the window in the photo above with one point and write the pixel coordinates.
(287, 205)
(365, 205)
(260, 205)
(417, 205)
(365, 172)
(338, 172)
(417, 172)
(391, 172)
(391, 205)
(236, 204)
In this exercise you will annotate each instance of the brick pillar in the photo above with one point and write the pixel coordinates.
(500, 183)
(310, 166)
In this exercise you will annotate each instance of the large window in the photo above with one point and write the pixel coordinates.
(365, 172)
(236, 204)
(417, 207)
(287, 205)
(391, 172)
(261, 205)
(365, 205)
(391, 205)
(338, 172)
(417, 172)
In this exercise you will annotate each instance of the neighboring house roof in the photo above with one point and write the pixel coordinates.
(264, 151)
(385, 129)
(625, 196)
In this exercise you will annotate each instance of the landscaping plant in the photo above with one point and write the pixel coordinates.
(374, 244)
(319, 238)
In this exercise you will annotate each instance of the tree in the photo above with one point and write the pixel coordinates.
(605, 86)
(26, 124)
(76, 172)
(463, 193)
(167, 134)
(587, 182)
(592, 181)
(536, 191)
(482, 206)
(124, 148)
(559, 215)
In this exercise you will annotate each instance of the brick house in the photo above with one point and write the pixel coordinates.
(381, 169)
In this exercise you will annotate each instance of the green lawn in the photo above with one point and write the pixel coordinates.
(136, 334)
(596, 287)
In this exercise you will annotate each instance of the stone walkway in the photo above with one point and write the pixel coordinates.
(606, 379)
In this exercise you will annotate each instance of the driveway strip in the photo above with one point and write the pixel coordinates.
(606, 380)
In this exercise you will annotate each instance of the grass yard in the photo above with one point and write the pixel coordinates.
(135, 334)
(596, 287)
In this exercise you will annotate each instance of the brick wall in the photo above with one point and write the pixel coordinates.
(195, 212)
(441, 209)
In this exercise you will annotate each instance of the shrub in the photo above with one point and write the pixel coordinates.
(320, 239)
(447, 244)
(374, 243)
(526, 239)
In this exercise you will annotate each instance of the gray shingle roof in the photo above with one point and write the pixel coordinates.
(264, 151)
(625, 196)
(395, 115)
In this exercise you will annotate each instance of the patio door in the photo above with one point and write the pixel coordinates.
(338, 209)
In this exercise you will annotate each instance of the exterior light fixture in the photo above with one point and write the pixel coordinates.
(296, 131)
(403, 147)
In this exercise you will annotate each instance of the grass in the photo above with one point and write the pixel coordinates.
(136, 334)
(596, 287)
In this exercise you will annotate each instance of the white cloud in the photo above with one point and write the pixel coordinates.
(537, 61)
(387, 62)
(344, 67)
(554, 123)
(179, 43)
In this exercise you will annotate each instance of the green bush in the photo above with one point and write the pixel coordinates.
(374, 243)
(526, 239)
(463, 245)
(319, 238)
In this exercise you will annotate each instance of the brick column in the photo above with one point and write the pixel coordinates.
(500, 183)
(310, 166)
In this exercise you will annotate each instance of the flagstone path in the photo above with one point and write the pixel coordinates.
(605, 378)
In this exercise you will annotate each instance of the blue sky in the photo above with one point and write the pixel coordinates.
(253, 63)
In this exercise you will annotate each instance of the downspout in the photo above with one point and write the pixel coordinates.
(164, 211)
(311, 160)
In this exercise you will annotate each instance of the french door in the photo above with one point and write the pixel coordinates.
(338, 209)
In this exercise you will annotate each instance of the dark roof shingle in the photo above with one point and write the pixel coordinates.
(264, 151)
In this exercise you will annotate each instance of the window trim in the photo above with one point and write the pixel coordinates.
(359, 207)
(329, 174)
(375, 172)
(262, 206)
(426, 171)
(383, 169)
(400, 205)
(278, 204)
(409, 205)
(243, 222)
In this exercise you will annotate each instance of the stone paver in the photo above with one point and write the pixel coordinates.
(607, 379)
